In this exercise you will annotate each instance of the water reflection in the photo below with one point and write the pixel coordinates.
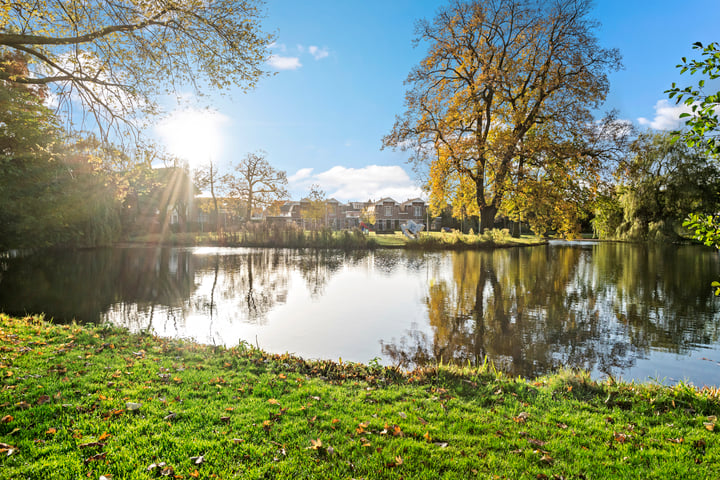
(608, 308)
(599, 307)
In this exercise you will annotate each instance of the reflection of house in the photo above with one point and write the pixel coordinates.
(389, 214)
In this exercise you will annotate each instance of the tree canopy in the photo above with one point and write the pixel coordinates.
(505, 84)
(703, 122)
(256, 183)
(113, 57)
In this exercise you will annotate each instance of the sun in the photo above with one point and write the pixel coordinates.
(196, 136)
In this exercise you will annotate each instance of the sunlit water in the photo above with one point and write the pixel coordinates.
(631, 311)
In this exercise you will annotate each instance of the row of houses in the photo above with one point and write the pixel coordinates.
(388, 213)
(174, 201)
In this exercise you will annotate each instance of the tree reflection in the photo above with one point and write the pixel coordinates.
(534, 310)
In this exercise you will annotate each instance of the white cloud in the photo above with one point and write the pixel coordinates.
(301, 174)
(357, 184)
(317, 52)
(667, 116)
(284, 63)
(193, 135)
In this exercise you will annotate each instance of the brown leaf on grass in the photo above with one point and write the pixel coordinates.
(237, 440)
(225, 419)
(315, 444)
(94, 458)
(51, 431)
(104, 436)
(422, 420)
(155, 466)
(426, 436)
(398, 461)
(365, 442)
(272, 401)
(170, 416)
(521, 417)
(43, 399)
(710, 426)
(676, 440)
(22, 405)
(361, 427)
(195, 474)
(7, 449)
(335, 420)
(92, 444)
(537, 443)
(198, 460)
(7, 419)
(546, 459)
(620, 437)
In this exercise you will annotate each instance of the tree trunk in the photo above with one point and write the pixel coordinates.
(515, 226)
(487, 217)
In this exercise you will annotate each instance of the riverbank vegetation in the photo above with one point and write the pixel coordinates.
(98, 402)
(291, 236)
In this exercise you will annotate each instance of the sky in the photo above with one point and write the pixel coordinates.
(339, 68)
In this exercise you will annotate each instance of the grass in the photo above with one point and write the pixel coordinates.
(98, 402)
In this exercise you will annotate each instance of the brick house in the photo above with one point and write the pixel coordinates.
(389, 214)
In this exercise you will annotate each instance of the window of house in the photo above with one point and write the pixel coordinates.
(388, 211)
(418, 210)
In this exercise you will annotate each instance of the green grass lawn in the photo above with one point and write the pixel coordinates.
(97, 402)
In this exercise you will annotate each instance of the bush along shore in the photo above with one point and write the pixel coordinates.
(98, 402)
(263, 235)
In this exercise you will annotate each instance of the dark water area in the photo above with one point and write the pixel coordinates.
(633, 311)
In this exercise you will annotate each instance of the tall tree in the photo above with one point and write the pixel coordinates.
(257, 183)
(496, 71)
(115, 56)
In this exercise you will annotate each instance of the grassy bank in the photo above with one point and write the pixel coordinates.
(343, 240)
(93, 402)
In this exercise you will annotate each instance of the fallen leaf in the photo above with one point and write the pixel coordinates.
(272, 401)
(198, 460)
(402, 414)
(170, 416)
(676, 440)
(7, 419)
(237, 440)
(422, 420)
(315, 444)
(521, 417)
(22, 405)
(51, 431)
(91, 444)
(537, 443)
(227, 419)
(43, 399)
(709, 426)
(335, 420)
(133, 406)
(104, 436)
(94, 458)
(195, 474)
(546, 459)
(620, 437)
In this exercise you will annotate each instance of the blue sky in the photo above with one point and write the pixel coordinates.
(339, 85)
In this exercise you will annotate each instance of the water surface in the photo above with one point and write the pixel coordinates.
(632, 311)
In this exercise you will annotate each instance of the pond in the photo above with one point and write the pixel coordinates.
(633, 311)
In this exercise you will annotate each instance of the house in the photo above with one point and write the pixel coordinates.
(389, 214)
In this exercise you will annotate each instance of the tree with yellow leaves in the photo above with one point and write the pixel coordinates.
(505, 85)
(113, 57)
